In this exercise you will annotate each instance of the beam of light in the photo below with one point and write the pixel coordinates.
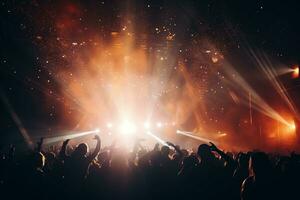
(190, 134)
(267, 67)
(16, 119)
(222, 135)
(70, 136)
(237, 80)
(258, 103)
(161, 141)
(291, 127)
(125, 75)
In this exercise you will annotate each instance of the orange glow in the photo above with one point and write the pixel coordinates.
(295, 73)
(112, 81)
(292, 127)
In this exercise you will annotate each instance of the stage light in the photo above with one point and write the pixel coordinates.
(222, 134)
(292, 127)
(146, 125)
(127, 127)
(97, 130)
(109, 125)
(159, 124)
(295, 72)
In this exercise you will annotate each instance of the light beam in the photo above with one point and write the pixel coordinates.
(71, 136)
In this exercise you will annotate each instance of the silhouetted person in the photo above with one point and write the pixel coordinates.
(260, 184)
(76, 165)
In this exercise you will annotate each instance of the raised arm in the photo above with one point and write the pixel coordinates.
(97, 149)
(62, 153)
(223, 155)
(175, 147)
(39, 145)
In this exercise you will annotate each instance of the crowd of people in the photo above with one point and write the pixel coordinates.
(164, 172)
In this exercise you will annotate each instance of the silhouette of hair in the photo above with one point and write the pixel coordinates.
(81, 150)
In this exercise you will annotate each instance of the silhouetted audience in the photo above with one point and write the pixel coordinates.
(166, 172)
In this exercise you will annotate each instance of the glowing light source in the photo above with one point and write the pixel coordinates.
(161, 141)
(292, 127)
(222, 134)
(69, 136)
(109, 125)
(159, 124)
(146, 125)
(97, 130)
(295, 72)
(127, 127)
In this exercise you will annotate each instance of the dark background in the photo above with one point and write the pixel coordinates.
(271, 26)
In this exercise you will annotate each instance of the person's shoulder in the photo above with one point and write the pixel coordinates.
(248, 181)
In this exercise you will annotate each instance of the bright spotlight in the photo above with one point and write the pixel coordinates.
(161, 141)
(222, 134)
(127, 127)
(97, 130)
(146, 125)
(295, 72)
(109, 125)
(292, 127)
(159, 124)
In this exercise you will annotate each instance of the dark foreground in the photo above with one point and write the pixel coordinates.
(160, 173)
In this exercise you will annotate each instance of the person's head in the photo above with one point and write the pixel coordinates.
(204, 152)
(190, 161)
(50, 158)
(103, 156)
(185, 152)
(243, 159)
(165, 150)
(37, 160)
(81, 150)
(155, 159)
(259, 164)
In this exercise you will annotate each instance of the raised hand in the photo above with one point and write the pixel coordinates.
(39, 144)
(41, 141)
(66, 142)
(97, 137)
(213, 147)
(170, 144)
(97, 149)
(156, 147)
